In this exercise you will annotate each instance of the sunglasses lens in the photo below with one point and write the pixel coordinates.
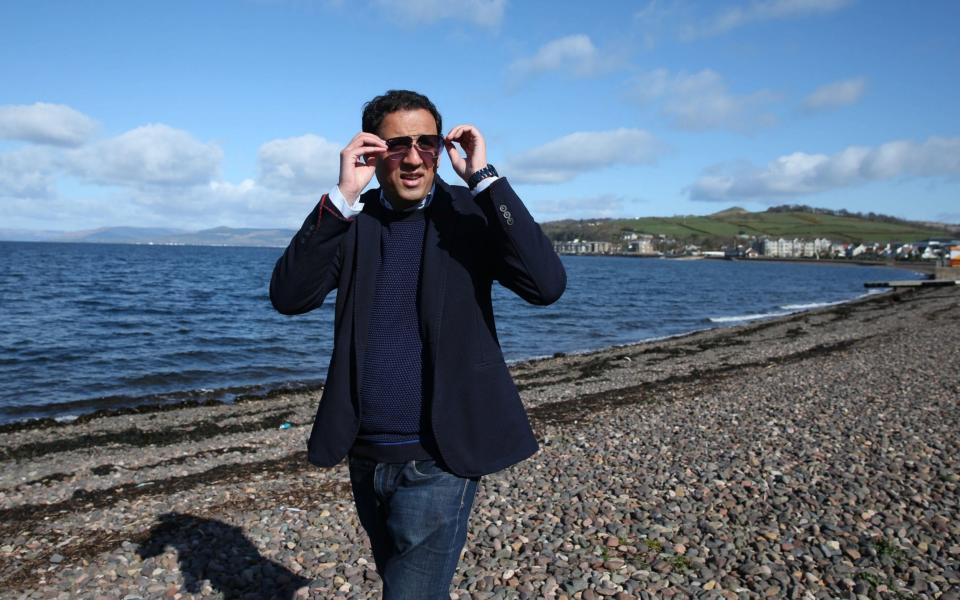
(399, 145)
(429, 143)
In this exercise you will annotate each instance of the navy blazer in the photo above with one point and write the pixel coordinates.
(478, 421)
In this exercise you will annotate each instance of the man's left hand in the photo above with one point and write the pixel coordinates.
(471, 141)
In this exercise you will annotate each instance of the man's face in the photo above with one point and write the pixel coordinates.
(407, 178)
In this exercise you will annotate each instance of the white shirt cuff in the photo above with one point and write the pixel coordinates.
(484, 184)
(343, 206)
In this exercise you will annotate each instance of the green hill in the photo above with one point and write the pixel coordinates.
(727, 225)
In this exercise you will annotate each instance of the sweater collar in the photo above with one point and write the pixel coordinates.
(420, 206)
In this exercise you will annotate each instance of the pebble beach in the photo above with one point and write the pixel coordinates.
(812, 456)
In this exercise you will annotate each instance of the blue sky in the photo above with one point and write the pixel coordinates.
(198, 114)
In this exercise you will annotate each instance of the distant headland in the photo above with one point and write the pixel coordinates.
(728, 228)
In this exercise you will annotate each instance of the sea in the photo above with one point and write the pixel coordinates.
(87, 327)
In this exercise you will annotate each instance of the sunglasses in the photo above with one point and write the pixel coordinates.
(428, 146)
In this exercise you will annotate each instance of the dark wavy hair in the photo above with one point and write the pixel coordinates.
(392, 101)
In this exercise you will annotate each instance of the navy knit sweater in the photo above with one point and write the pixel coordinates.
(394, 426)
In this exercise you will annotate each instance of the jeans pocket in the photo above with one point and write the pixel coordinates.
(426, 468)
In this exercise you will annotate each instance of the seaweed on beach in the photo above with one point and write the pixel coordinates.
(153, 407)
(19, 517)
(136, 437)
(587, 405)
(107, 469)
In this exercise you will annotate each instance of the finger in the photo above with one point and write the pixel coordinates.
(455, 133)
(464, 146)
(371, 150)
(462, 130)
(361, 155)
(364, 139)
(468, 137)
(452, 151)
(366, 150)
(364, 146)
(369, 156)
(456, 161)
(365, 135)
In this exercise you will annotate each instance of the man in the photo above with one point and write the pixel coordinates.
(417, 393)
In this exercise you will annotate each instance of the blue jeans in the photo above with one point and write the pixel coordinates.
(415, 514)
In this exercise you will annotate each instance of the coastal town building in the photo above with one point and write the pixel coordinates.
(640, 244)
(797, 248)
(583, 247)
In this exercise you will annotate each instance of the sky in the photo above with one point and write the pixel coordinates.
(191, 115)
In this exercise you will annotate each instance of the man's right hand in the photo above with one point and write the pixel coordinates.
(358, 162)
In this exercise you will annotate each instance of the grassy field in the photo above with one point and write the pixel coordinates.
(727, 225)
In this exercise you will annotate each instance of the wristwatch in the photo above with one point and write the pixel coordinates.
(487, 171)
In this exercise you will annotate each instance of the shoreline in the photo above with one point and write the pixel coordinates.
(147, 404)
(148, 407)
(813, 453)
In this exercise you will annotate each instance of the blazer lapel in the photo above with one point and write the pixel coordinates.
(367, 253)
(433, 276)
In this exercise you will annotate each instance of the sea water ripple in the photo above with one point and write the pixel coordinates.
(93, 326)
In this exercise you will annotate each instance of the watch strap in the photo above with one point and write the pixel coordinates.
(480, 175)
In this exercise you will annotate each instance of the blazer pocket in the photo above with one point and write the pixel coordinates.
(490, 353)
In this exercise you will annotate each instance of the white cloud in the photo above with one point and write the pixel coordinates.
(659, 19)
(762, 10)
(485, 13)
(307, 164)
(701, 101)
(232, 190)
(216, 203)
(151, 155)
(44, 123)
(27, 173)
(574, 55)
(836, 94)
(566, 157)
(243, 204)
(156, 175)
(801, 174)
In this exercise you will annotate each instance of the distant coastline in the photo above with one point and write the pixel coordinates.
(216, 237)
(925, 267)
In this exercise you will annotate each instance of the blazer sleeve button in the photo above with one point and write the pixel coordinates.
(503, 208)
